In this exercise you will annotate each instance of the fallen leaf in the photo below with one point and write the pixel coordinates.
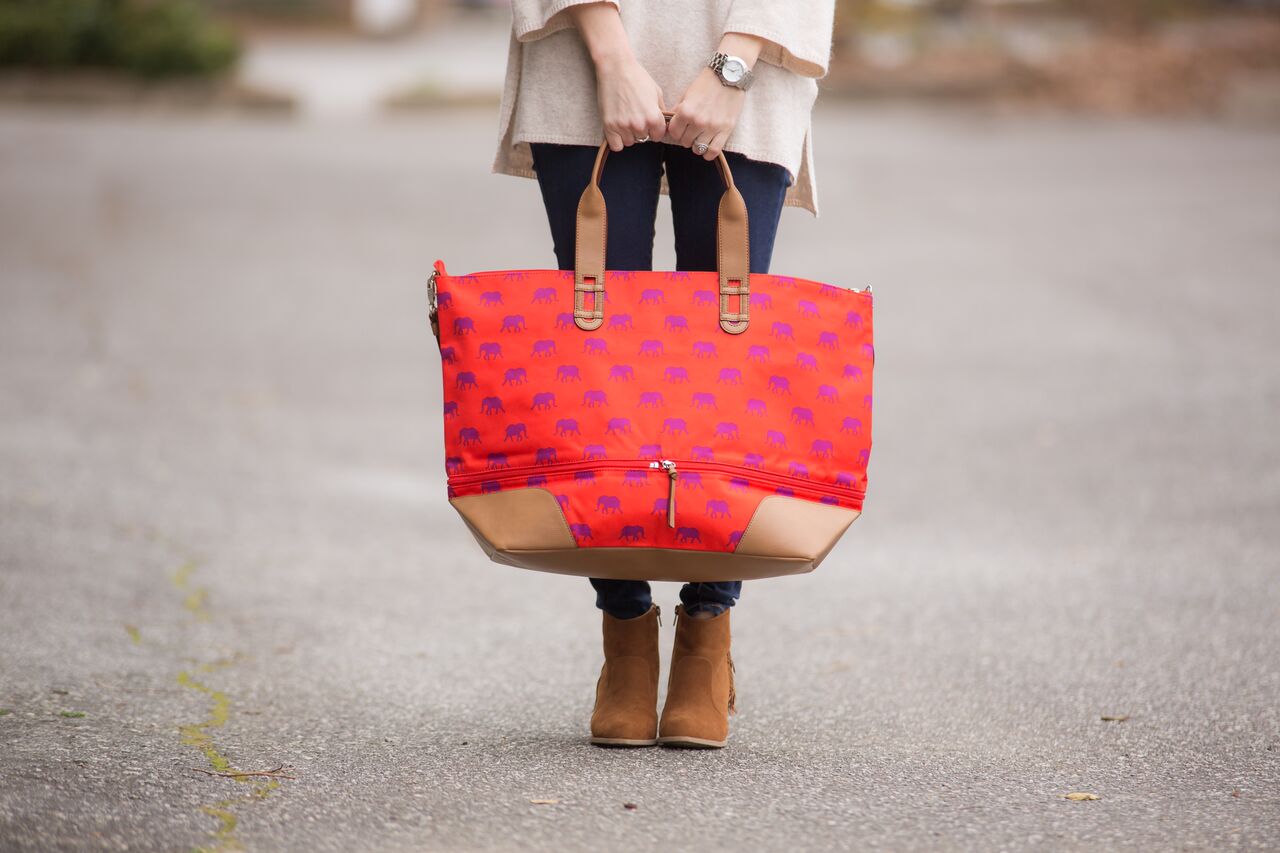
(1114, 718)
(75, 715)
(1236, 793)
(630, 806)
(544, 802)
(1078, 796)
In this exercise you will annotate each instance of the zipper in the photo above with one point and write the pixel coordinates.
(521, 472)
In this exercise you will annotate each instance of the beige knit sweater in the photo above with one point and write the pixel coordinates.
(550, 93)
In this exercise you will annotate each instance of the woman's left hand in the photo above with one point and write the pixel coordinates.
(707, 113)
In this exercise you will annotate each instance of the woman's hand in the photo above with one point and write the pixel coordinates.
(709, 110)
(631, 103)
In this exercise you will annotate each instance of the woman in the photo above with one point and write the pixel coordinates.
(742, 73)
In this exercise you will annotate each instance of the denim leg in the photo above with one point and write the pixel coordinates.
(714, 598)
(696, 187)
(630, 185)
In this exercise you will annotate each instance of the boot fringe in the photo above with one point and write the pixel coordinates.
(733, 693)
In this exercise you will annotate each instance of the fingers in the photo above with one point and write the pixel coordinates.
(676, 127)
(657, 127)
(614, 140)
(716, 145)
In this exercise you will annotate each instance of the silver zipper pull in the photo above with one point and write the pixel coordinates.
(670, 467)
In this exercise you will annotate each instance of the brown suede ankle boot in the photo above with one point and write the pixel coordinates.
(626, 712)
(700, 693)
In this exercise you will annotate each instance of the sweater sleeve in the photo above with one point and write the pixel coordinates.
(797, 33)
(534, 19)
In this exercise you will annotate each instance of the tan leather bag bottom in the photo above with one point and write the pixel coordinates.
(526, 528)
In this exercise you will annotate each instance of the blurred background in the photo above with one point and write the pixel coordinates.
(224, 541)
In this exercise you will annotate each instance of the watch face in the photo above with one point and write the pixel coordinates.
(733, 70)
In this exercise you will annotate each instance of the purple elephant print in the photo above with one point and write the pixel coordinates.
(544, 296)
(659, 506)
(653, 348)
(650, 451)
(830, 500)
(622, 373)
(830, 290)
(755, 460)
(690, 480)
(498, 460)
(594, 398)
(864, 456)
(468, 436)
(444, 301)
(852, 371)
(822, 448)
(704, 400)
(773, 438)
(758, 353)
(609, 505)
(452, 464)
(568, 373)
(567, 426)
(635, 479)
(675, 323)
(782, 331)
(490, 351)
(650, 399)
(688, 535)
(512, 323)
(652, 296)
(806, 361)
(543, 400)
(853, 426)
(802, 416)
(618, 426)
(584, 478)
(730, 376)
(620, 322)
(632, 533)
(594, 451)
(675, 426)
(515, 376)
(535, 480)
(739, 484)
(798, 470)
(757, 408)
(845, 480)
(676, 374)
(761, 301)
(564, 320)
(490, 298)
(718, 509)
(489, 486)
(544, 348)
(828, 340)
(853, 319)
(734, 538)
(545, 456)
(563, 500)
(704, 349)
(726, 430)
(869, 351)
(516, 432)
(807, 308)
(828, 394)
(581, 532)
(596, 346)
(704, 297)
(785, 281)
(448, 355)
(451, 409)
(779, 384)
(702, 454)
(785, 491)
(463, 326)
(491, 406)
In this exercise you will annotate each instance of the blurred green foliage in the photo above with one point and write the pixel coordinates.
(1123, 13)
(149, 38)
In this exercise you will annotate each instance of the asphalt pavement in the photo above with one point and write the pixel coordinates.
(225, 548)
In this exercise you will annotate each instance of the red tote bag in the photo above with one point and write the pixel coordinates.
(686, 426)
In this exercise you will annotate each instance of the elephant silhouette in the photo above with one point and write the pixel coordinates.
(784, 281)
(497, 460)
(676, 323)
(490, 351)
(448, 355)
(755, 460)
(650, 399)
(726, 430)
(782, 331)
(761, 301)
(853, 426)
(675, 426)
(463, 326)
(491, 297)
(593, 398)
(650, 451)
(652, 296)
(568, 373)
(802, 415)
(564, 320)
(563, 500)
(758, 352)
(830, 290)
(756, 407)
(676, 375)
(632, 533)
(734, 538)
(635, 478)
(830, 500)
(785, 491)
(594, 451)
(620, 322)
(516, 432)
(729, 376)
(704, 400)
(622, 373)
(851, 371)
(452, 464)
(543, 400)
(659, 506)
(739, 484)
(822, 448)
(544, 348)
(444, 300)
(468, 436)
(653, 348)
(828, 340)
(845, 480)
(490, 486)
(567, 426)
(718, 509)
(807, 308)
(618, 426)
(779, 384)
(596, 346)
(799, 470)
(515, 376)
(451, 408)
(609, 505)
(690, 480)
(853, 319)
(491, 406)
(544, 296)
(545, 456)
(828, 394)
(583, 478)
(704, 349)
(704, 297)
(688, 534)
(533, 481)
(869, 351)
(580, 531)
(807, 361)
(773, 438)
(702, 454)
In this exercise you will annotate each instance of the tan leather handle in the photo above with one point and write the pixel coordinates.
(732, 252)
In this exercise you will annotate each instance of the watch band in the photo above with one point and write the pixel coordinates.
(718, 64)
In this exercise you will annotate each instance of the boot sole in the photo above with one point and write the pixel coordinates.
(623, 741)
(682, 742)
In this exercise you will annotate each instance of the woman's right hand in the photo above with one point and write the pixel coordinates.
(631, 103)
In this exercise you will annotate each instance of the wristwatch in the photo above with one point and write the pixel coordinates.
(732, 71)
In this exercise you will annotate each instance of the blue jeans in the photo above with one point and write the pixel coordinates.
(630, 186)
